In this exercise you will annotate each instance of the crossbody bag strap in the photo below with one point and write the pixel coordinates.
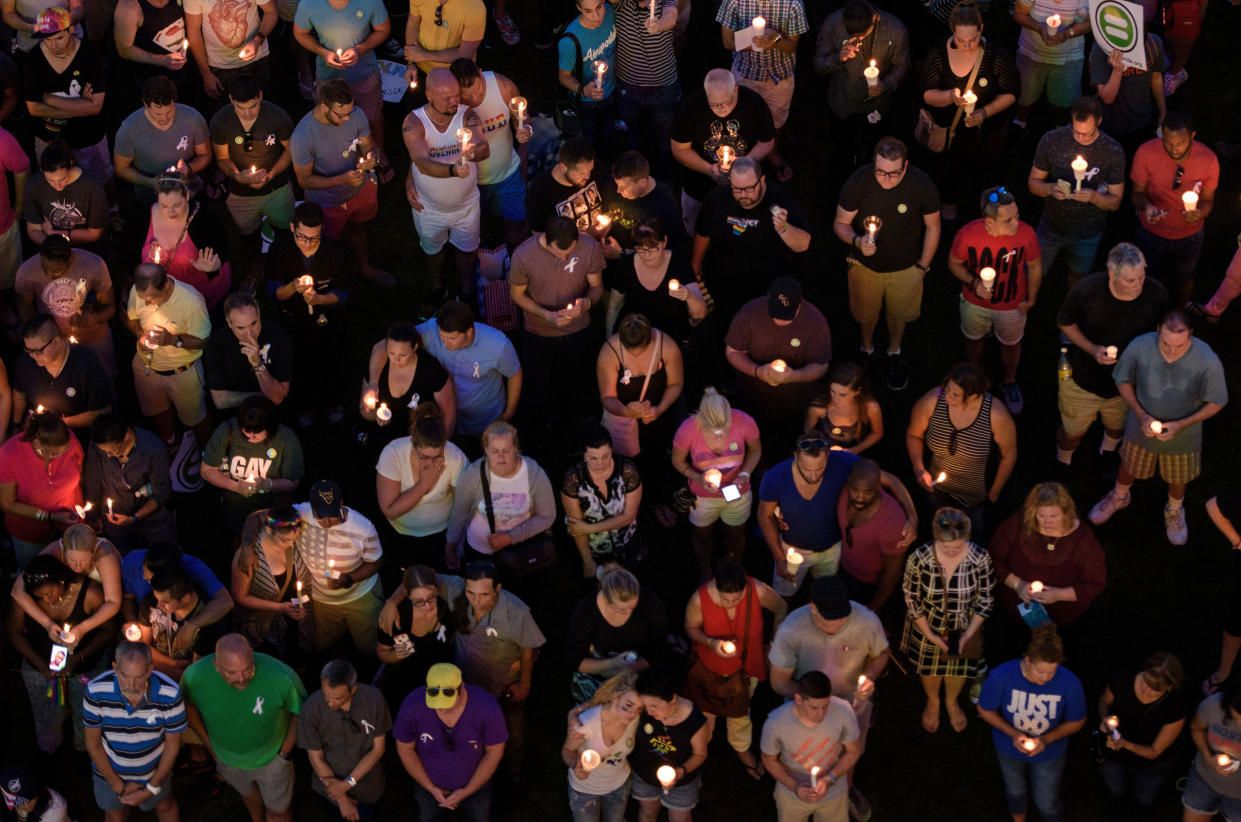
(655, 351)
(969, 86)
(487, 506)
(750, 594)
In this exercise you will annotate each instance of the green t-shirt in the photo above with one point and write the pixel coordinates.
(277, 457)
(247, 726)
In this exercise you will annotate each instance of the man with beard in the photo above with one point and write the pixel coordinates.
(873, 549)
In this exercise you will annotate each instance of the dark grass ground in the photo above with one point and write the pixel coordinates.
(1158, 596)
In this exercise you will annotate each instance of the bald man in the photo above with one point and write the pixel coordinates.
(241, 705)
(445, 141)
(872, 520)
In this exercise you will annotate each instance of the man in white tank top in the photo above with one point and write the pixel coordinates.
(445, 140)
(502, 177)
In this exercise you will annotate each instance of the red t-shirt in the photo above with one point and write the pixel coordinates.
(15, 161)
(1009, 256)
(55, 488)
(689, 436)
(863, 547)
(1153, 168)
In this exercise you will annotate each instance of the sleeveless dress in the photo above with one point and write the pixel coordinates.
(180, 265)
(961, 453)
(846, 436)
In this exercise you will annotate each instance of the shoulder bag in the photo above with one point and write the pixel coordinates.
(521, 558)
(938, 138)
(715, 693)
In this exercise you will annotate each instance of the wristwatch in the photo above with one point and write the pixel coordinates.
(178, 342)
(155, 790)
(353, 783)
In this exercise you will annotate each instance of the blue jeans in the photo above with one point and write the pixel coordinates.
(658, 105)
(1080, 251)
(1143, 785)
(598, 118)
(1042, 779)
(1172, 262)
(608, 807)
(475, 808)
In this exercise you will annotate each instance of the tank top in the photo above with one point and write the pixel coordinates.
(444, 195)
(657, 744)
(846, 436)
(613, 771)
(966, 469)
(717, 625)
(629, 389)
(162, 30)
(494, 112)
(37, 636)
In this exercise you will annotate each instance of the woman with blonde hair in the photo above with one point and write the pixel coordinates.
(621, 627)
(597, 748)
(264, 582)
(85, 554)
(716, 449)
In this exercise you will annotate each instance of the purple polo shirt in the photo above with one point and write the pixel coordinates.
(481, 724)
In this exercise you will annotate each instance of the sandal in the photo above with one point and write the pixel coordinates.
(1211, 684)
(756, 772)
(784, 171)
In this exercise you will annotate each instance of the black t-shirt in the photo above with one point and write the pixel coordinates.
(656, 744)
(229, 370)
(546, 198)
(1139, 723)
(400, 678)
(429, 377)
(898, 243)
(645, 632)
(86, 68)
(1106, 320)
(747, 125)
(746, 253)
(165, 627)
(665, 312)
(659, 203)
(81, 204)
(264, 138)
(82, 384)
(333, 268)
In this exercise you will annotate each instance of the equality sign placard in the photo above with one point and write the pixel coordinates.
(1118, 26)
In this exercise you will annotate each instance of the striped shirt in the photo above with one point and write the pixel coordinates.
(643, 59)
(961, 453)
(788, 17)
(133, 737)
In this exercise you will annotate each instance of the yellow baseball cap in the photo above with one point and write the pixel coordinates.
(443, 684)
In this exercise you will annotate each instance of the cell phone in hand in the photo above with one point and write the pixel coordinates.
(731, 493)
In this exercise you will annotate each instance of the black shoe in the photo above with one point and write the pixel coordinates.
(898, 375)
(866, 359)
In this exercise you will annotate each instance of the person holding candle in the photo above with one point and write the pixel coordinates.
(948, 587)
(422, 631)
(68, 380)
(247, 358)
(599, 785)
(810, 746)
(956, 423)
(150, 37)
(721, 681)
(1214, 784)
(888, 269)
(163, 615)
(768, 66)
(587, 39)
(401, 376)
(1009, 248)
(62, 199)
(844, 411)
(1138, 753)
(602, 494)
(642, 282)
(66, 599)
(129, 467)
(1171, 377)
(250, 140)
(445, 139)
(571, 188)
(269, 581)
(622, 627)
(1050, 54)
(634, 196)
(87, 556)
(1101, 315)
(1166, 171)
(254, 460)
(1034, 699)
(1075, 215)
(228, 39)
(182, 236)
(715, 447)
(40, 483)
(876, 533)
(672, 733)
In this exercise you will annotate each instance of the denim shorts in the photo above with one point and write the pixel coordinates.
(1200, 797)
(108, 800)
(506, 197)
(682, 797)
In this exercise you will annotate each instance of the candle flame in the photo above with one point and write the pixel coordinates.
(132, 632)
(1036, 587)
(940, 477)
(666, 775)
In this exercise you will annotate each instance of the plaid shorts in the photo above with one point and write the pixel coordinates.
(1176, 469)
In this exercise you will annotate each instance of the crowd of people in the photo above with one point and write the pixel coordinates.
(627, 316)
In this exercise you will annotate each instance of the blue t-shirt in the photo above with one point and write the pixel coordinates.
(133, 584)
(812, 522)
(1032, 709)
(597, 44)
(478, 373)
(342, 29)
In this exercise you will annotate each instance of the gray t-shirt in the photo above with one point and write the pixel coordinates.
(1223, 736)
(154, 150)
(330, 150)
(345, 737)
(803, 646)
(490, 653)
(1134, 106)
(1105, 165)
(1170, 391)
(799, 748)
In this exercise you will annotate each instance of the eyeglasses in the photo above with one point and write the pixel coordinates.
(890, 175)
(747, 189)
(40, 349)
(1180, 175)
(648, 249)
(307, 238)
(434, 691)
(439, 21)
(811, 445)
(424, 603)
(994, 197)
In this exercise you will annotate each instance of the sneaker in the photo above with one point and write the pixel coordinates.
(1174, 525)
(1171, 82)
(508, 29)
(1013, 400)
(898, 375)
(1110, 504)
(859, 806)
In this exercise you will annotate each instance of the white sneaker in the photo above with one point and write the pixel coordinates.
(1174, 524)
(1110, 504)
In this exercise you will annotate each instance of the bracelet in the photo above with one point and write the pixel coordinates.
(155, 790)
(353, 783)
(259, 369)
(40, 515)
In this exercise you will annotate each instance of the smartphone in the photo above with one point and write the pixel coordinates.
(731, 493)
(60, 655)
(1066, 188)
(403, 643)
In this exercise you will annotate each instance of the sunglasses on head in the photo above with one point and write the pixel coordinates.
(811, 445)
(994, 197)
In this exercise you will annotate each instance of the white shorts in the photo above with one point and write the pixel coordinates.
(461, 227)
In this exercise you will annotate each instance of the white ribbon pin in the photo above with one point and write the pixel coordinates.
(368, 727)
(258, 706)
(476, 374)
(491, 631)
(442, 634)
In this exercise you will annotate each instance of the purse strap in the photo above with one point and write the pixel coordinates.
(655, 351)
(487, 506)
(745, 626)
(969, 86)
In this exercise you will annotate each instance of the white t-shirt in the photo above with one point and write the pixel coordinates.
(430, 515)
(227, 26)
(613, 770)
(347, 545)
(512, 502)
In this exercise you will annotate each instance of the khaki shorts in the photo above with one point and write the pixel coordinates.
(182, 390)
(1079, 407)
(707, 510)
(816, 563)
(273, 781)
(778, 96)
(248, 212)
(358, 617)
(791, 809)
(1176, 469)
(869, 290)
(1009, 326)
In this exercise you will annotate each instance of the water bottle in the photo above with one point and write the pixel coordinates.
(1063, 369)
(143, 492)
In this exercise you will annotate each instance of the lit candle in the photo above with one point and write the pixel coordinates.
(1223, 760)
(600, 69)
(603, 222)
(724, 154)
(1156, 427)
(133, 633)
(779, 366)
(759, 24)
(861, 681)
(652, 10)
(591, 760)
(306, 281)
(463, 137)
(254, 170)
(712, 476)
(331, 572)
(872, 227)
(155, 254)
(1190, 200)
(1028, 743)
(1113, 726)
(518, 106)
(370, 399)
(940, 477)
(987, 275)
(674, 284)
(73, 340)
(300, 599)
(666, 776)
(67, 636)
(339, 53)
(970, 99)
(83, 510)
(1112, 351)
(794, 559)
(185, 47)
(1079, 166)
(383, 413)
(1036, 587)
(814, 778)
(728, 648)
(251, 479)
(871, 73)
(39, 408)
(109, 501)
(1053, 23)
